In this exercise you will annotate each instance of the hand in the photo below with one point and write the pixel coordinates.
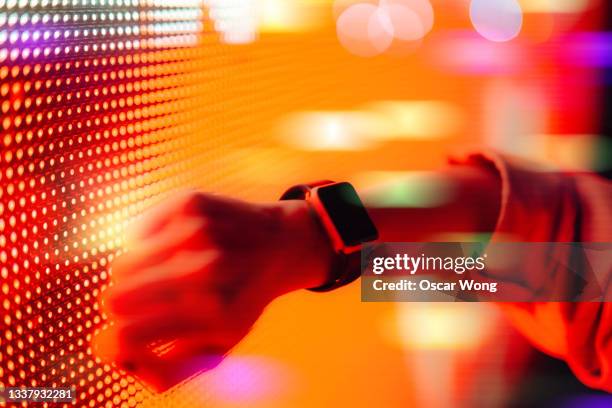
(198, 272)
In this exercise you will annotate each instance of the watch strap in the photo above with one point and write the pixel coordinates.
(301, 191)
(345, 268)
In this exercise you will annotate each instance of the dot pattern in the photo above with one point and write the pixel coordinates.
(99, 121)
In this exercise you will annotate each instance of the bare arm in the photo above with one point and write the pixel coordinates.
(472, 207)
(202, 268)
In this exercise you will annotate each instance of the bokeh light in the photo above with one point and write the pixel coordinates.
(442, 326)
(370, 124)
(365, 30)
(555, 6)
(238, 23)
(468, 53)
(328, 130)
(497, 20)
(415, 119)
(422, 8)
(388, 189)
(404, 23)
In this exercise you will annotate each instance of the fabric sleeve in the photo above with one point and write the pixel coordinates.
(539, 205)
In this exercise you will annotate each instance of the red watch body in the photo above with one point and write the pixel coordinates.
(342, 215)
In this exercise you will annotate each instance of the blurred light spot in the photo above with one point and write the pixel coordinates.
(371, 124)
(407, 25)
(592, 49)
(242, 22)
(468, 53)
(575, 152)
(328, 130)
(364, 30)
(237, 25)
(277, 14)
(422, 9)
(404, 189)
(439, 326)
(404, 24)
(416, 119)
(288, 15)
(248, 380)
(554, 6)
(496, 20)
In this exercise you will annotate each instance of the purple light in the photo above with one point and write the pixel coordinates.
(248, 380)
(589, 49)
(588, 401)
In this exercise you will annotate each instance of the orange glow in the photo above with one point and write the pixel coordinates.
(108, 107)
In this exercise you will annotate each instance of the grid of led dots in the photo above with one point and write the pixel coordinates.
(106, 106)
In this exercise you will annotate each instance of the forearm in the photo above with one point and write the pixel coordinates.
(305, 244)
(472, 207)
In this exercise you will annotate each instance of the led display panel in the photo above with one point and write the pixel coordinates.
(98, 121)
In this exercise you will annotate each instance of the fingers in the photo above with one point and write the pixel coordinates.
(135, 354)
(156, 303)
(180, 234)
(181, 280)
(186, 203)
(136, 333)
(156, 218)
(162, 364)
(137, 339)
(138, 343)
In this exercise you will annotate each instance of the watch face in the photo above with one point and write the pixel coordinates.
(347, 213)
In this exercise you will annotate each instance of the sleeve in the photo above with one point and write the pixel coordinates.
(539, 205)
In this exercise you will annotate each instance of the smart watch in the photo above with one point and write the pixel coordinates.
(343, 216)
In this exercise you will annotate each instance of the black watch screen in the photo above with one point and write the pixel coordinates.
(347, 213)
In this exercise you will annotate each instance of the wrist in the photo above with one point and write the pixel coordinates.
(304, 245)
